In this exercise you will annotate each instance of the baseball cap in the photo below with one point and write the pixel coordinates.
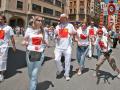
(63, 15)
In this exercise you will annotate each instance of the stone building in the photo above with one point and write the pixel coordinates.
(18, 12)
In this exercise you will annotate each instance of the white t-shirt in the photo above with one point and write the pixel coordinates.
(5, 34)
(92, 31)
(35, 40)
(83, 37)
(104, 31)
(63, 31)
(103, 43)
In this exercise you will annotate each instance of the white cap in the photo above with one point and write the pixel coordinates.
(63, 15)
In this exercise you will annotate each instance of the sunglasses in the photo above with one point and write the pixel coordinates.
(100, 33)
(39, 20)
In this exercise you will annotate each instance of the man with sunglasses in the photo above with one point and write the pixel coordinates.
(63, 34)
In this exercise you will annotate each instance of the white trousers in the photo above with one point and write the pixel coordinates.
(91, 48)
(3, 58)
(67, 54)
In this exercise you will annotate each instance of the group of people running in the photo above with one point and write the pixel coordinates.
(36, 40)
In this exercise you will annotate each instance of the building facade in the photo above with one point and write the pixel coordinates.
(18, 12)
(92, 8)
(79, 10)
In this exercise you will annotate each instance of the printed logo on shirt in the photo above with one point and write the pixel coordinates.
(83, 36)
(2, 34)
(101, 44)
(63, 33)
(91, 32)
(36, 40)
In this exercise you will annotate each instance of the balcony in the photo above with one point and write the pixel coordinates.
(49, 1)
(72, 17)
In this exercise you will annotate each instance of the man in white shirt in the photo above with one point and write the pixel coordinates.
(6, 33)
(91, 30)
(104, 43)
(63, 34)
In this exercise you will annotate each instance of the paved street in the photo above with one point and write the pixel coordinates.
(16, 77)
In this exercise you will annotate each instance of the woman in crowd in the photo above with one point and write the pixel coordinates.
(35, 41)
(82, 47)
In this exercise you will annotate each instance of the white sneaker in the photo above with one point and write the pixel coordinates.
(1, 77)
(118, 76)
(95, 75)
(79, 72)
(67, 78)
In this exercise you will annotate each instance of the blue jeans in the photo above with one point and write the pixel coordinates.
(81, 54)
(98, 52)
(33, 68)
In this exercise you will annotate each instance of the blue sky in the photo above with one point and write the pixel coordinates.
(106, 1)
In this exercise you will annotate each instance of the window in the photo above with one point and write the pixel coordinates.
(72, 17)
(70, 11)
(81, 3)
(81, 11)
(49, 1)
(36, 7)
(74, 3)
(0, 3)
(57, 13)
(47, 11)
(58, 3)
(19, 5)
(74, 11)
(70, 3)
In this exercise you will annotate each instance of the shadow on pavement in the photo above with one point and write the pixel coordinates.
(45, 85)
(17, 61)
(47, 59)
(72, 73)
(105, 76)
(63, 59)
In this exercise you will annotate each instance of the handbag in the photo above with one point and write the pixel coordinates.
(34, 56)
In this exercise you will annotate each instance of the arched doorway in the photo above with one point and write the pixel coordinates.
(16, 21)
